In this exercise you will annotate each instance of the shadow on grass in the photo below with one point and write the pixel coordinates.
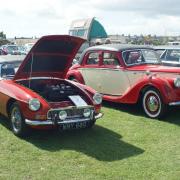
(98, 142)
(134, 109)
(5, 122)
(172, 115)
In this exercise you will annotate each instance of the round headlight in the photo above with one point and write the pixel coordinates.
(97, 98)
(177, 82)
(34, 104)
(87, 112)
(62, 115)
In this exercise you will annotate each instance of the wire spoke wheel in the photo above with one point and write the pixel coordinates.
(16, 119)
(18, 125)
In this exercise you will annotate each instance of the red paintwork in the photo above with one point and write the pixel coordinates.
(155, 68)
(164, 85)
(11, 90)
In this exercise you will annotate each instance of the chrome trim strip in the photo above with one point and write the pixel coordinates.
(49, 122)
(35, 78)
(116, 68)
(174, 103)
(130, 70)
(38, 123)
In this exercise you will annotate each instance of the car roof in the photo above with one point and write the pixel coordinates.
(118, 47)
(163, 47)
(11, 58)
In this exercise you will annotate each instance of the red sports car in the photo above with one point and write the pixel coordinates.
(127, 74)
(39, 97)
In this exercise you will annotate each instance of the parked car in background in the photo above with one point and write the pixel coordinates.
(9, 65)
(28, 46)
(22, 50)
(129, 74)
(10, 49)
(2, 52)
(169, 55)
(39, 96)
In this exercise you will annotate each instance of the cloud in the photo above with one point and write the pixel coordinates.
(49, 13)
(37, 18)
(143, 7)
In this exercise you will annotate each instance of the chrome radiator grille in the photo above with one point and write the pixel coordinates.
(73, 112)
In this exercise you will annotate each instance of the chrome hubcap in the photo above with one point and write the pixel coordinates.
(16, 119)
(153, 103)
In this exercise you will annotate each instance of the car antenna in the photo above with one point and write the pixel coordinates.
(32, 59)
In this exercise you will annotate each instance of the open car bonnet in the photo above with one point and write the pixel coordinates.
(51, 56)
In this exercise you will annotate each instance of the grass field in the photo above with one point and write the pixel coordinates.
(122, 145)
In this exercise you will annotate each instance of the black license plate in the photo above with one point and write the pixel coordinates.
(75, 125)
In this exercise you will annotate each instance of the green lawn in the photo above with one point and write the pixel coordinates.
(122, 145)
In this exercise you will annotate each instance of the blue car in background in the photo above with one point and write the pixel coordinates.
(9, 65)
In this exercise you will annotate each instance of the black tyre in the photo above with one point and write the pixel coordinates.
(18, 126)
(152, 104)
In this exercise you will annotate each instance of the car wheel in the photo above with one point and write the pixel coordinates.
(18, 126)
(152, 104)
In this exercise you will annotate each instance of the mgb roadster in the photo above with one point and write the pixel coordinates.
(39, 96)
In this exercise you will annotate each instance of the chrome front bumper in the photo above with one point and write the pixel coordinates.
(174, 103)
(49, 122)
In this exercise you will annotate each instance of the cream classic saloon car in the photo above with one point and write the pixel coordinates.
(129, 74)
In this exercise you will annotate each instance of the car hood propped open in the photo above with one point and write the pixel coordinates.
(51, 56)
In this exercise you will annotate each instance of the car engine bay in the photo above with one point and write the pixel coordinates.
(53, 90)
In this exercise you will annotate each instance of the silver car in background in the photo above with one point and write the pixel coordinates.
(169, 55)
(9, 65)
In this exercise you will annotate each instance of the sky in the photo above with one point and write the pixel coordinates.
(30, 18)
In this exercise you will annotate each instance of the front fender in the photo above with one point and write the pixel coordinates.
(162, 85)
(41, 114)
(11, 92)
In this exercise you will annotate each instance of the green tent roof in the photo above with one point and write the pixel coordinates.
(97, 30)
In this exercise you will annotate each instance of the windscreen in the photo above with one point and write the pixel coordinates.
(140, 56)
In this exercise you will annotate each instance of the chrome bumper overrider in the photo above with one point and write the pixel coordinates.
(174, 103)
(49, 122)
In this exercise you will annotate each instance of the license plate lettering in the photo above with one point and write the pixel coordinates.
(77, 125)
(80, 125)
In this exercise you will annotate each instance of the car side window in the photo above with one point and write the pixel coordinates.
(110, 58)
(93, 59)
(173, 55)
(133, 57)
